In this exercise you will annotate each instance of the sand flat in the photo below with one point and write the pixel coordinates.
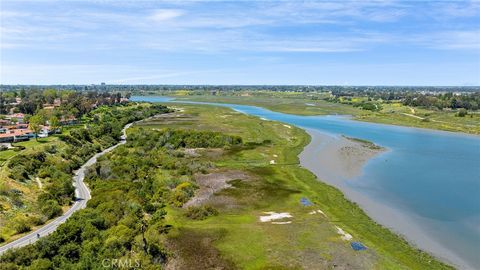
(336, 158)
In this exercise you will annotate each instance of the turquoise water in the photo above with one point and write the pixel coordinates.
(433, 176)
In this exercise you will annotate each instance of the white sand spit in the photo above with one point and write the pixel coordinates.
(317, 212)
(274, 216)
(345, 236)
(287, 126)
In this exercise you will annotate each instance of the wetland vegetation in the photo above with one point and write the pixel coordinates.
(141, 208)
(441, 109)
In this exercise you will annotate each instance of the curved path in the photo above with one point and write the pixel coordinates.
(82, 195)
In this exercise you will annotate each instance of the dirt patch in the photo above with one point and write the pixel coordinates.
(191, 152)
(195, 250)
(175, 118)
(211, 153)
(211, 183)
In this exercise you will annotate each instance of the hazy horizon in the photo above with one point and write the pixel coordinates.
(246, 85)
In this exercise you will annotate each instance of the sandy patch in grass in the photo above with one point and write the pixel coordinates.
(317, 212)
(211, 183)
(206, 152)
(192, 152)
(274, 216)
(345, 236)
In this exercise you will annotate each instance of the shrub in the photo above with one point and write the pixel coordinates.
(182, 193)
(201, 212)
(19, 173)
(462, 113)
(50, 209)
(41, 264)
(20, 224)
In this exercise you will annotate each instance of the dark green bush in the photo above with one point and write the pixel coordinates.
(201, 212)
(50, 209)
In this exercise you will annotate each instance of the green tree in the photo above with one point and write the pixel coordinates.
(50, 95)
(34, 124)
(462, 113)
(51, 209)
(20, 224)
(54, 123)
(41, 264)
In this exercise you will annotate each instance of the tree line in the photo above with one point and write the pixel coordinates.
(125, 219)
(448, 100)
(54, 164)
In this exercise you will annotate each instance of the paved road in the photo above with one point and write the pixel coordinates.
(82, 194)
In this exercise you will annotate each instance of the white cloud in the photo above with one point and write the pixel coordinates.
(462, 9)
(161, 15)
(252, 26)
(452, 40)
(4, 14)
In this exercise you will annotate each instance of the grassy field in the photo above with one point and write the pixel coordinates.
(235, 238)
(31, 144)
(393, 113)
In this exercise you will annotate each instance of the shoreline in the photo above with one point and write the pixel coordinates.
(182, 99)
(342, 158)
(324, 157)
(352, 117)
(415, 229)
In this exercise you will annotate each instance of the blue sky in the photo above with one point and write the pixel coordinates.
(240, 42)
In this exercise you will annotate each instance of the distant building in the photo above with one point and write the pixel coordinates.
(4, 122)
(50, 106)
(21, 126)
(16, 102)
(70, 120)
(18, 117)
(16, 135)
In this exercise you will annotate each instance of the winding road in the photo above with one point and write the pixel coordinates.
(82, 195)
